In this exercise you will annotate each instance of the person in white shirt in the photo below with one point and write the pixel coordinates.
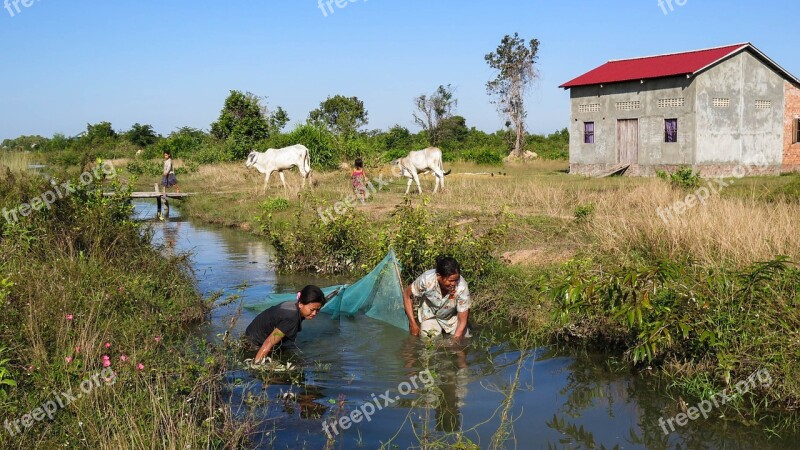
(443, 301)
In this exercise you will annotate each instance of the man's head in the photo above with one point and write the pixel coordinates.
(310, 300)
(448, 272)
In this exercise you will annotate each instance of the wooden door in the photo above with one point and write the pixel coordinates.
(628, 141)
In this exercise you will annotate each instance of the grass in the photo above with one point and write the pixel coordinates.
(82, 289)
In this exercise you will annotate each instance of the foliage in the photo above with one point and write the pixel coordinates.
(107, 291)
(5, 375)
(551, 146)
(341, 115)
(320, 142)
(141, 135)
(274, 204)
(514, 63)
(179, 143)
(241, 123)
(351, 243)
(583, 212)
(433, 110)
(683, 178)
(99, 133)
(731, 320)
(397, 138)
(484, 157)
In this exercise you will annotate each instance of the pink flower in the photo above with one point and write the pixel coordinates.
(123, 358)
(106, 361)
(68, 359)
(107, 345)
(77, 349)
(140, 366)
(157, 338)
(106, 358)
(69, 317)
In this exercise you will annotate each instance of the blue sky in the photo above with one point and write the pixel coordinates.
(172, 63)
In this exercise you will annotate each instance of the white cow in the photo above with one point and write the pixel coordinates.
(419, 162)
(280, 159)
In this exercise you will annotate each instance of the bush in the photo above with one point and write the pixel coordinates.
(683, 178)
(584, 212)
(484, 157)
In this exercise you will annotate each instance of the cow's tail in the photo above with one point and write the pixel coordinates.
(441, 166)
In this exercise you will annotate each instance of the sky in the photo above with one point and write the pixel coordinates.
(172, 63)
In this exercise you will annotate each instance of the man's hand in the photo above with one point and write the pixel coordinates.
(413, 328)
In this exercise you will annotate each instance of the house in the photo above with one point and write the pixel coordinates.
(723, 111)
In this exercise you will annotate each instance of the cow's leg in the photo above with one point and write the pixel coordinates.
(283, 179)
(439, 179)
(416, 178)
(266, 182)
(408, 186)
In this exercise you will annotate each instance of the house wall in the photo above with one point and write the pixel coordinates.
(791, 152)
(739, 136)
(654, 153)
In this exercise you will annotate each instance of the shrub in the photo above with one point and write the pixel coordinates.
(583, 213)
(484, 157)
(683, 178)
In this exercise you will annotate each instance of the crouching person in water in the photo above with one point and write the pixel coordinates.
(443, 298)
(283, 321)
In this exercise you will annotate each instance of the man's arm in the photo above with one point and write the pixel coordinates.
(461, 328)
(413, 328)
(269, 342)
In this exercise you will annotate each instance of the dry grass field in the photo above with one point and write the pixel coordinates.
(552, 214)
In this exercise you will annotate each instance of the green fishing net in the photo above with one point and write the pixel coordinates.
(378, 295)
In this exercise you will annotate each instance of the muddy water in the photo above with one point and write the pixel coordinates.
(562, 401)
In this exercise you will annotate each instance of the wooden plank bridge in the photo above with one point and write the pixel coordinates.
(162, 198)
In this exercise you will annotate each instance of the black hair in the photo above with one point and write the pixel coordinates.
(446, 266)
(311, 294)
(359, 163)
(168, 153)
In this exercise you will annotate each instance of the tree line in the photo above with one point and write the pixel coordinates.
(336, 130)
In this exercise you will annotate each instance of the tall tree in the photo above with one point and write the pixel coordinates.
(433, 110)
(242, 122)
(343, 116)
(141, 135)
(516, 71)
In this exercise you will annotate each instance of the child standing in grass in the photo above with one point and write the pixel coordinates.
(360, 181)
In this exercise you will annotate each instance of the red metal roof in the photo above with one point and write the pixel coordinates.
(674, 64)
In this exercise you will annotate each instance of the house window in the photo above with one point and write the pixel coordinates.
(671, 130)
(588, 132)
(796, 130)
(592, 107)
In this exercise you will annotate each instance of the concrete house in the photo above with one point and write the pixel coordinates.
(722, 111)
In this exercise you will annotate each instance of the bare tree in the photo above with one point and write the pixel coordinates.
(515, 64)
(433, 110)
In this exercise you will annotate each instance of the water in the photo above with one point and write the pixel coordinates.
(563, 401)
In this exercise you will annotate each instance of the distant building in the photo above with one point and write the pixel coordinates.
(721, 111)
